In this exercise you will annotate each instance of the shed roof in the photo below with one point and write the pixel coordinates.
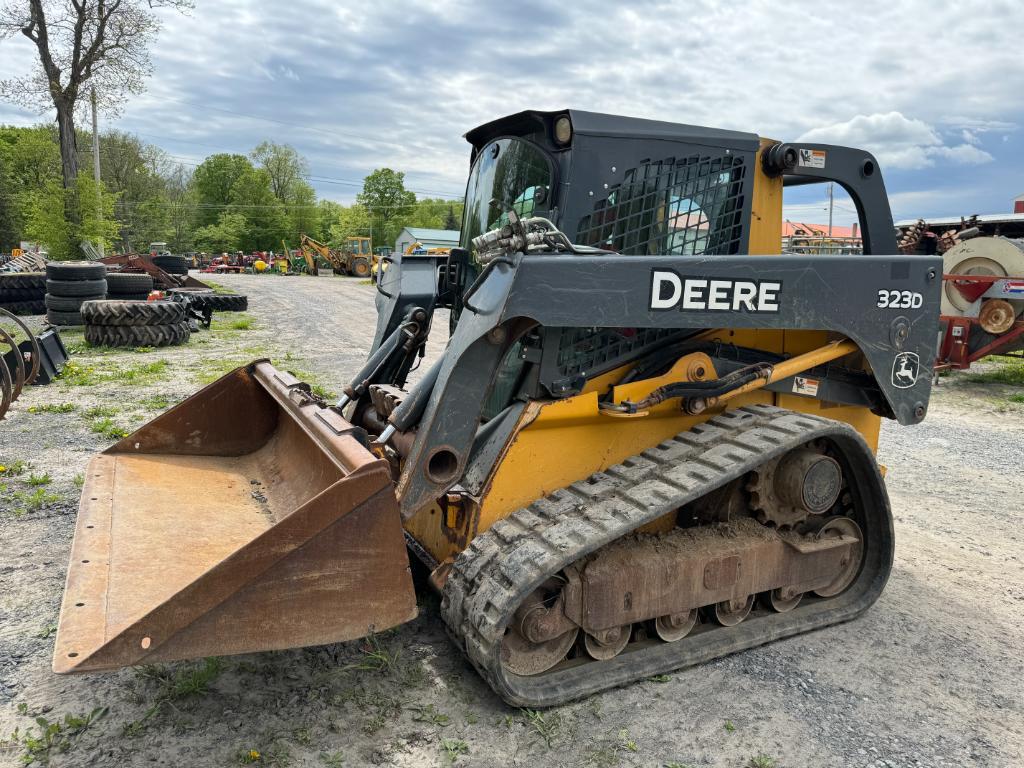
(421, 233)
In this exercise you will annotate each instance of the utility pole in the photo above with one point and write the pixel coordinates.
(96, 166)
(829, 206)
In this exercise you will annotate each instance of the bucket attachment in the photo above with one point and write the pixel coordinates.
(247, 518)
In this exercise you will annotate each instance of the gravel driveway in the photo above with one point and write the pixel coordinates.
(930, 676)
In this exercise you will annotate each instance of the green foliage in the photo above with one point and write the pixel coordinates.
(223, 236)
(33, 502)
(453, 749)
(52, 408)
(54, 737)
(109, 429)
(40, 479)
(12, 468)
(46, 222)
(213, 180)
(388, 201)
(544, 726)
(762, 761)
(427, 714)
(1005, 371)
(266, 222)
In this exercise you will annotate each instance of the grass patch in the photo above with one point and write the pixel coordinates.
(453, 749)
(427, 714)
(34, 501)
(762, 761)
(77, 374)
(217, 287)
(543, 725)
(12, 468)
(99, 412)
(157, 402)
(1008, 371)
(189, 681)
(79, 480)
(37, 480)
(234, 321)
(53, 738)
(52, 408)
(1017, 398)
(109, 429)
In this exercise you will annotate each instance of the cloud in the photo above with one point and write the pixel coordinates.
(898, 141)
(399, 83)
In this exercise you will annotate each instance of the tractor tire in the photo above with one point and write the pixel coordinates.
(54, 317)
(218, 302)
(361, 268)
(75, 270)
(133, 313)
(122, 284)
(172, 265)
(76, 287)
(23, 281)
(8, 295)
(137, 335)
(24, 307)
(66, 303)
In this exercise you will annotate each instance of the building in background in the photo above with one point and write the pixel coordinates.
(428, 238)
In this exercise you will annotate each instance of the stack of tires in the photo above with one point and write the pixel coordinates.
(172, 265)
(135, 323)
(22, 292)
(128, 286)
(69, 284)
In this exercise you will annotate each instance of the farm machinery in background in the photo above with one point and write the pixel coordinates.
(982, 310)
(356, 259)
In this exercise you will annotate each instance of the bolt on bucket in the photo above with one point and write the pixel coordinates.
(247, 518)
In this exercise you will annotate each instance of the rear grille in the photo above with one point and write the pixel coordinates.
(586, 350)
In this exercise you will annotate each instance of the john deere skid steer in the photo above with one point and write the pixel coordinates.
(649, 442)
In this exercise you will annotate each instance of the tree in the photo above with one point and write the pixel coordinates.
(352, 221)
(137, 172)
(449, 221)
(328, 213)
(285, 166)
(387, 199)
(224, 236)
(181, 198)
(46, 222)
(102, 43)
(214, 181)
(266, 222)
(29, 159)
(302, 210)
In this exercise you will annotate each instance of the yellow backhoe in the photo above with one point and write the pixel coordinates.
(355, 260)
(649, 442)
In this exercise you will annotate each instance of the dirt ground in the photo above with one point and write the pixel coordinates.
(930, 676)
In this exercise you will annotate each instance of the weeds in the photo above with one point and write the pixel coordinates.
(1017, 398)
(52, 408)
(48, 631)
(332, 760)
(37, 480)
(54, 738)
(762, 761)
(1009, 372)
(76, 374)
(79, 480)
(544, 726)
(33, 502)
(660, 678)
(729, 726)
(248, 756)
(175, 685)
(13, 468)
(377, 657)
(99, 412)
(156, 402)
(453, 749)
(609, 752)
(427, 714)
(108, 429)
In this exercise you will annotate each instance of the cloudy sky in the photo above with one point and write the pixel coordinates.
(935, 89)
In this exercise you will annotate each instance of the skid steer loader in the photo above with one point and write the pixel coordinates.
(649, 442)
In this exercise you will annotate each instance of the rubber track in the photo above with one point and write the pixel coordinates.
(132, 312)
(137, 335)
(505, 564)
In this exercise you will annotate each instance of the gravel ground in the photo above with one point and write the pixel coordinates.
(930, 676)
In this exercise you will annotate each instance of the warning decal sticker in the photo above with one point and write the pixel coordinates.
(812, 158)
(802, 385)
